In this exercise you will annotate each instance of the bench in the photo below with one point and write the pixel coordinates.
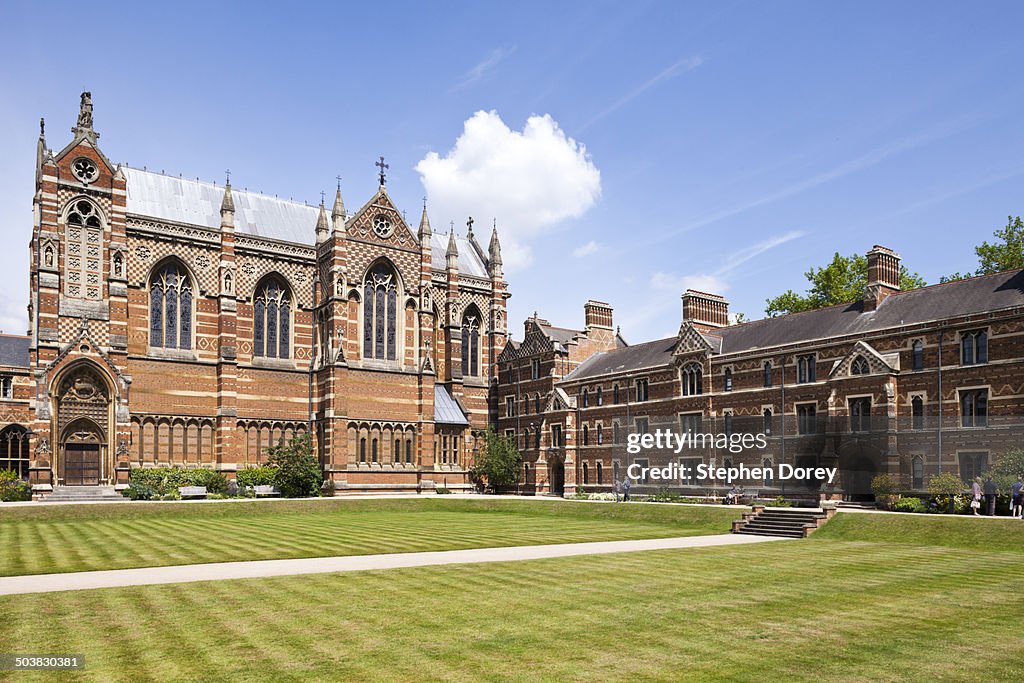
(265, 490)
(192, 492)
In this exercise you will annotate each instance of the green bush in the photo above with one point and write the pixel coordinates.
(885, 485)
(910, 505)
(298, 472)
(163, 481)
(257, 476)
(139, 491)
(13, 488)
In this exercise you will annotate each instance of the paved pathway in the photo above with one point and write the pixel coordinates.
(48, 583)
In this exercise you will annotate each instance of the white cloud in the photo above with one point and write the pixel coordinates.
(483, 68)
(587, 249)
(529, 180)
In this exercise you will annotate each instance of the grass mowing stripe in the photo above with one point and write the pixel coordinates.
(135, 536)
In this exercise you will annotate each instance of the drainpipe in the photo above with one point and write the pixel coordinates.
(782, 455)
(939, 382)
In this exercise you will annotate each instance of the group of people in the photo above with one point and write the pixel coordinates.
(984, 495)
(621, 489)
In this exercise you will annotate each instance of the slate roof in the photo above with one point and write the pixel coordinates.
(446, 408)
(976, 295)
(644, 356)
(14, 350)
(949, 300)
(469, 260)
(196, 202)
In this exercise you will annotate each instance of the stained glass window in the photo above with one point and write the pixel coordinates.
(271, 320)
(170, 308)
(380, 313)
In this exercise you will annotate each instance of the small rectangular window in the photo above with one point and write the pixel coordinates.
(860, 414)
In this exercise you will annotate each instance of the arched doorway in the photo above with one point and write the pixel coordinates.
(556, 475)
(858, 464)
(83, 416)
(84, 450)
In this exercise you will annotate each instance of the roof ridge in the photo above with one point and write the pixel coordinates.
(210, 183)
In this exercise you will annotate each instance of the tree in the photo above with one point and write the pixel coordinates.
(1007, 468)
(499, 464)
(1005, 254)
(298, 472)
(842, 281)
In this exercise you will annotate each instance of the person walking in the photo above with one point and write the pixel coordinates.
(976, 495)
(990, 497)
(617, 487)
(1017, 499)
(626, 484)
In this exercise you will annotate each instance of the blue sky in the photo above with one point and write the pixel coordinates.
(727, 146)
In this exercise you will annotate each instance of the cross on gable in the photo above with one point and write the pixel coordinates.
(382, 166)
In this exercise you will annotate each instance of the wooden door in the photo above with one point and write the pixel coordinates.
(81, 464)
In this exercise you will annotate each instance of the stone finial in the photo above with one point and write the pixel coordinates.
(227, 203)
(424, 230)
(321, 224)
(494, 251)
(338, 211)
(453, 247)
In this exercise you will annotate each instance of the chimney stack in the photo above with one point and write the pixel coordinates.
(883, 276)
(597, 314)
(705, 310)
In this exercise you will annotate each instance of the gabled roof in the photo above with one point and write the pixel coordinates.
(644, 356)
(949, 300)
(14, 350)
(196, 202)
(446, 408)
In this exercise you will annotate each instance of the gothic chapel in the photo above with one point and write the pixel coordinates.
(176, 322)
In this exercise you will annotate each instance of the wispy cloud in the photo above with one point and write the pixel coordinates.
(483, 68)
(681, 66)
(870, 158)
(716, 281)
(587, 249)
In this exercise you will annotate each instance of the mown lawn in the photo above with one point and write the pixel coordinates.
(821, 609)
(50, 539)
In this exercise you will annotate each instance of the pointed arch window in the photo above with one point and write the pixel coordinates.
(767, 373)
(859, 366)
(380, 313)
(918, 355)
(84, 256)
(471, 343)
(272, 315)
(170, 308)
(693, 380)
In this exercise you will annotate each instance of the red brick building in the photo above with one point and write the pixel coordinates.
(175, 322)
(909, 383)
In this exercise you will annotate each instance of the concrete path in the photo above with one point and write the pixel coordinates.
(73, 581)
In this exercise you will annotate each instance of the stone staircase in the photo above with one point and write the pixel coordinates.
(782, 522)
(84, 494)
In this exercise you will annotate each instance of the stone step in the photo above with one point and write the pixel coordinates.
(781, 534)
